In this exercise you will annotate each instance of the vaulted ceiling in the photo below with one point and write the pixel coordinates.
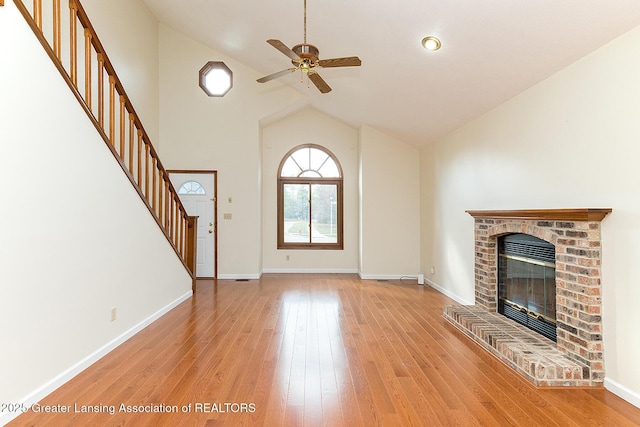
(491, 50)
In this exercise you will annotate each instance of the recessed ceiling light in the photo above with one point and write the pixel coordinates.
(431, 43)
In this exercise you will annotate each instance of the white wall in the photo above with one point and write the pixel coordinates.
(309, 127)
(219, 133)
(389, 206)
(76, 238)
(570, 141)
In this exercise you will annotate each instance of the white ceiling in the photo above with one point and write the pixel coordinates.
(492, 50)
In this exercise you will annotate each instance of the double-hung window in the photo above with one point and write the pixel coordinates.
(310, 199)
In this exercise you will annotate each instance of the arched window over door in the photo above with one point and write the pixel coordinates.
(310, 199)
(191, 187)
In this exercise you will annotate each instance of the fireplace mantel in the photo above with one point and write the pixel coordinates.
(580, 214)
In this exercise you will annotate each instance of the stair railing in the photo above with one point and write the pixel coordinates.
(85, 66)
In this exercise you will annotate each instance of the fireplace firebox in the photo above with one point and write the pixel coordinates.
(527, 282)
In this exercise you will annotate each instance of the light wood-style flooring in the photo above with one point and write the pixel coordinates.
(316, 350)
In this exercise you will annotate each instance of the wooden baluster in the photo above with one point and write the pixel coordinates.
(87, 67)
(37, 13)
(161, 198)
(176, 224)
(185, 222)
(167, 198)
(146, 169)
(101, 91)
(182, 234)
(178, 229)
(169, 213)
(122, 126)
(139, 158)
(170, 216)
(167, 208)
(112, 110)
(173, 220)
(131, 142)
(159, 194)
(73, 20)
(171, 206)
(154, 173)
(56, 28)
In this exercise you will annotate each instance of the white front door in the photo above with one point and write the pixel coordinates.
(197, 193)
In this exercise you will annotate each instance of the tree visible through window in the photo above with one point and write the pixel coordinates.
(310, 199)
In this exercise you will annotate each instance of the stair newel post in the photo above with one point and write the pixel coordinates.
(192, 227)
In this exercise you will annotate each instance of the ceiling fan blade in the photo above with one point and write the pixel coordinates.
(283, 48)
(319, 82)
(350, 61)
(275, 75)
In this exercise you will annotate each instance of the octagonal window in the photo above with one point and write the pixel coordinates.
(216, 79)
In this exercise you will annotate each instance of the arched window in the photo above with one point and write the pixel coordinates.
(310, 199)
(191, 187)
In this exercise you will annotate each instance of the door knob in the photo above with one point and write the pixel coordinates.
(210, 231)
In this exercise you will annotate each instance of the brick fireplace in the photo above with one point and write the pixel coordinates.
(577, 359)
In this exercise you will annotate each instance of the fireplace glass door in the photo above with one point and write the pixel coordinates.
(526, 282)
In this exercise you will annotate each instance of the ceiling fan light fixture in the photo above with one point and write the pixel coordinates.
(431, 43)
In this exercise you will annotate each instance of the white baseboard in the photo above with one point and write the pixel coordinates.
(448, 293)
(622, 392)
(308, 271)
(239, 276)
(388, 276)
(47, 388)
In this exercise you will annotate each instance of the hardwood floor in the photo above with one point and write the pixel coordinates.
(315, 350)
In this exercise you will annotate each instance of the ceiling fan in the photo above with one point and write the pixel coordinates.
(305, 57)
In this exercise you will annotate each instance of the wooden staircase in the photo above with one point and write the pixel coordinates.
(75, 49)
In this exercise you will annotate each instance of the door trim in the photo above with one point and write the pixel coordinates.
(215, 211)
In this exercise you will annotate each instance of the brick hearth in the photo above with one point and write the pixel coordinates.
(578, 353)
